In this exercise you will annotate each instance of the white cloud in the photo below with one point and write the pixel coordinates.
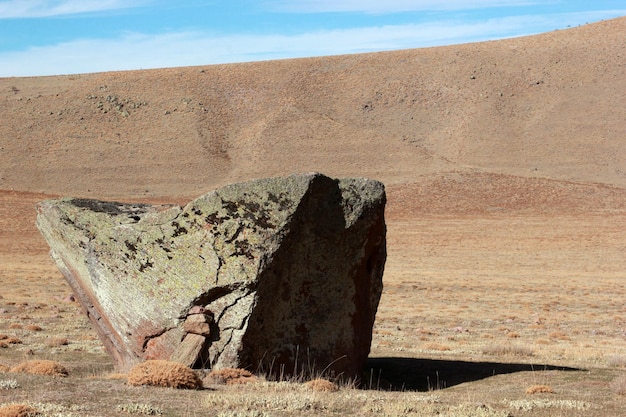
(41, 8)
(136, 51)
(388, 6)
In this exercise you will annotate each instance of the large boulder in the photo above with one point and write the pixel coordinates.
(274, 275)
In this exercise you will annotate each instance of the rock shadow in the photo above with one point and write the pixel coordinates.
(412, 374)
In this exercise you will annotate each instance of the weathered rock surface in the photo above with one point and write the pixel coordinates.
(279, 274)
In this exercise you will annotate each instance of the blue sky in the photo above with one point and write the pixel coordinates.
(40, 37)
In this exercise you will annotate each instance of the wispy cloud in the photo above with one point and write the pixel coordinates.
(388, 6)
(12, 9)
(187, 48)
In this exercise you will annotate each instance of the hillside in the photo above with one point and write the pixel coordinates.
(550, 106)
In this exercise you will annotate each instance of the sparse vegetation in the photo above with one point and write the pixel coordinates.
(534, 404)
(505, 218)
(619, 385)
(507, 350)
(9, 384)
(138, 408)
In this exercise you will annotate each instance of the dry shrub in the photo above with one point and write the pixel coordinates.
(15, 326)
(13, 341)
(559, 335)
(539, 389)
(41, 367)
(4, 368)
(164, 373)
(3, 336)
(231, 376)
(322, 385)
(34, 328)
(4, 345)
(57, 341)
(18, 410)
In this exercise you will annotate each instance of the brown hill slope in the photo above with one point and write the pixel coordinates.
(548, 106)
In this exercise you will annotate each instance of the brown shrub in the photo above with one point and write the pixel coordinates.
(57, 341)
(13, 341)
(231, 376)
(4, 368)
(163, 373)
(4, 345)
(15, 326)
(322, 385)
(3, 336)
(18, 410)
(34, 328)
(41, 367)
(539, 389)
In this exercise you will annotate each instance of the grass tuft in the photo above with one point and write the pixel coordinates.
(163, 373)
(40, 367)
(539, 389)
(322, 385)
(231, 376)
(145, 409)
(9, 384)
(18, 410)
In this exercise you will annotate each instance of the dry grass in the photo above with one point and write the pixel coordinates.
(163, 373)
(41, 367)
(57, 341)
(140, 408)
(18, 410)
(618, 385)
(484, 247)
(231, 376)
(507, 350)
(539, 389)
(617, 361)
(34, 327)
(322, 385)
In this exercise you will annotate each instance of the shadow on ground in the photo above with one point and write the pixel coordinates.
(410, 374)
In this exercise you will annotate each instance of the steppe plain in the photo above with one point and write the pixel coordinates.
(505, 169)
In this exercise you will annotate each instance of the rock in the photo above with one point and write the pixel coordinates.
(198, 324)
(190, 349)
(286, 273)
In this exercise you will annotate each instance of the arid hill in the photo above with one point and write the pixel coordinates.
(537, 109)
(505, 169)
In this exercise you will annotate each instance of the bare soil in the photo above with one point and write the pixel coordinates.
(505, 166)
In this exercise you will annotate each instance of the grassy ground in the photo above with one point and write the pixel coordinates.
(476, 311)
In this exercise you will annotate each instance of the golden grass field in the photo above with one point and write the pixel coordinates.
(505, 283)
